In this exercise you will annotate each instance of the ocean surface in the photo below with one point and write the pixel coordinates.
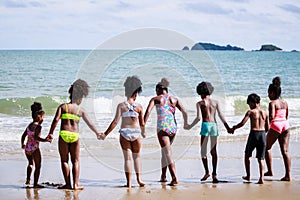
(46, 75)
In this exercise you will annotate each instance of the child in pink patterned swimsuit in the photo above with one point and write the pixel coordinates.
(32, 151)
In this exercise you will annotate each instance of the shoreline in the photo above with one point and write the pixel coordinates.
(102, 175)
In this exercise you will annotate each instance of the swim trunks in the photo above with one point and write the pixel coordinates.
(32, 144)
(68, 136)
(166, 117)
(280, 123)
(209, 129)
(130, 134)
(256, 139)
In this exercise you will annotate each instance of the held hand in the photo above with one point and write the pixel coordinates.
(101, 136)
(23, 146)
(144, 135)
(49, 138)
(187, 127)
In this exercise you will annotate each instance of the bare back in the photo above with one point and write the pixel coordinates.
(131, 122)
(209, 107)
(258, 119)
(68, 124)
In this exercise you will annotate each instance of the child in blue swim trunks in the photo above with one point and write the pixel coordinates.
(206, 110)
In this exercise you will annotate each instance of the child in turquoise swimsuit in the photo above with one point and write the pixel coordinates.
(207, 109)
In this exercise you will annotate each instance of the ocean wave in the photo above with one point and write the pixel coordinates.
(231, 105)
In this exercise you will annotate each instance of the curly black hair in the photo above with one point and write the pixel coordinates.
(205, 88)
(78, 90)
(36, 109)
(132, 85)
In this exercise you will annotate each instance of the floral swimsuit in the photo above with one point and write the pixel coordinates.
(166, 117)
(32, 144)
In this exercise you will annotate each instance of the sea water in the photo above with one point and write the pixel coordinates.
(46, 75)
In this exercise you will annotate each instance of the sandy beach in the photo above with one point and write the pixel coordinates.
(102, 176)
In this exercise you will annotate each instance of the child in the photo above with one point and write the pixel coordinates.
(279, 128)
(259, 125)
(207, 108)
(68, 142)
(32, 151)
(166, 126)
(132, 127)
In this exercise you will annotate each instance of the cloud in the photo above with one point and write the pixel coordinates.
(207, 8)
(20, 4)
(290, 8)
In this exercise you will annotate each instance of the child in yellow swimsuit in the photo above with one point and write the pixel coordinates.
(68, 142)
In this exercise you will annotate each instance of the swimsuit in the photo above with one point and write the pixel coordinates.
(130, 134)
(69, 136)
(166, 118)
(256, 139)
(131, 112)
(209, 129)
(32, 144)
(70, 115)
(280, 123)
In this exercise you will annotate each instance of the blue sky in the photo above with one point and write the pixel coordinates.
(84, 24)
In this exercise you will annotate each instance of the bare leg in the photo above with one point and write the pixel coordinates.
(29, 168)
(203, 147)
(126, 148)
(261, 171)
(284, 139)
(213, 140)
(136, 146)
(247, 167)
(165, 144)
(37, 160)
(63, 148)
(271, 138)
(75, 152)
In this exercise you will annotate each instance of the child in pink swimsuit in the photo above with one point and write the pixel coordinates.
(32, 151)
(279, 128)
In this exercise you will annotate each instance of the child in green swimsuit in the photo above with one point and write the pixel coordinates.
(68, 142)
(207, 109)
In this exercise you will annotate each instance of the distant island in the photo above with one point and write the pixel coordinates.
(269, 47)
(210, 46)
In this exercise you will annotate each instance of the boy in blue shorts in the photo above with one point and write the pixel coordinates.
(259, 125)
(207, 109)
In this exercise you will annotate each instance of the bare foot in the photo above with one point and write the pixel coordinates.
(174, 182)
(141, 183)
(78, 187)
(38, 186)
(268, 173)
(247, 178)
(215, 180)
(260, 181)
(285, 179)
(27, 182)
(205, 177)
(163, 179)
(65, 187)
